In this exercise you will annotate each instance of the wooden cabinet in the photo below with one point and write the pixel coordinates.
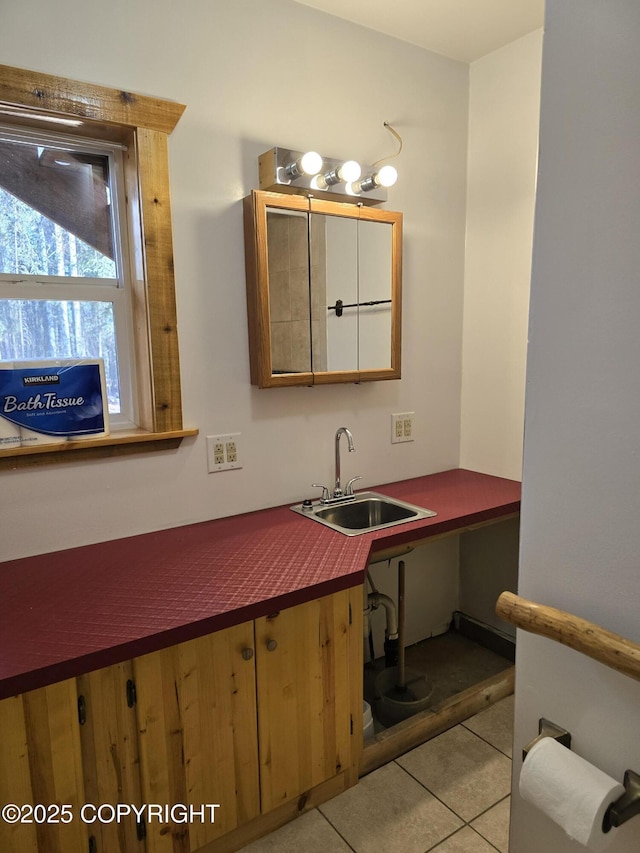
(252, 718)
(196, 709)
(249, 718)
(304, 719)
(110, 754)
(68, 767)
(41, 766)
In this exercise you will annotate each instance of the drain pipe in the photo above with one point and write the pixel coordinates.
(373, 601)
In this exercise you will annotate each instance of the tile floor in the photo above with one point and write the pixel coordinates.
(450, 795)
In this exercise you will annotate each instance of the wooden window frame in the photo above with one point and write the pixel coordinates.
(143, 125)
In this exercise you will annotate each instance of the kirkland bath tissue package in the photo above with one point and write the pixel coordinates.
(51, 401)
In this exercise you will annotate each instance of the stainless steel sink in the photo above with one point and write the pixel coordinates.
(367, 511)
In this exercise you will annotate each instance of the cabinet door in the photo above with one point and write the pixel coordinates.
(196, 710)
(306, 657)
(110, 755)
(15, 776)
(40, 764)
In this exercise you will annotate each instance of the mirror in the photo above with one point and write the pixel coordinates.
(323, 291)
(289, 293)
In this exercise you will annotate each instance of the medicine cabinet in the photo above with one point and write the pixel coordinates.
(323, 290)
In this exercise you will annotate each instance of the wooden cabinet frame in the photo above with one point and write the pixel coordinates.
(258, 306)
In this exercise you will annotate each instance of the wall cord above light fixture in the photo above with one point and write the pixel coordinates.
(385, 176)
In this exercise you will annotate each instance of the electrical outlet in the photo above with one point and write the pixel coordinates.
(402, 427)
(222, 452)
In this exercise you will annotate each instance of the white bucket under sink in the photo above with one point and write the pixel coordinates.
(367, 721)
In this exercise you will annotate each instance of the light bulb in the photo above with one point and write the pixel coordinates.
(349, 171)
(310, 163)
(386, 177)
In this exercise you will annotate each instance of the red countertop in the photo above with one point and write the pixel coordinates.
(77, 610)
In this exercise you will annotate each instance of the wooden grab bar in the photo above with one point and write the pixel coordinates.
(592, 640)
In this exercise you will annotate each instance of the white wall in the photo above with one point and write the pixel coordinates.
(431, 592)
(254, 73)
(504, 103)
(488, 567)
(581, 503)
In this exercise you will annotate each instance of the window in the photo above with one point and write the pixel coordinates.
(64, 281)
(86, 256)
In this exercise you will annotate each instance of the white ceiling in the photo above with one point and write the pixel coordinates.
(460, 29)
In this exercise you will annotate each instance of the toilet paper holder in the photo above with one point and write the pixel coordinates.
(620, 811)
(627, 806)
(548, 729)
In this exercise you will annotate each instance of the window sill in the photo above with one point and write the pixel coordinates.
(118, 444)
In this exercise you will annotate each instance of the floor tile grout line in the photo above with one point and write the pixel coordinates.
(497, 748)
(429, 791)
(501, 800)
(335, 829)
(446, 838)
(484, 839)
(488, 809)
(468, 823)
(490, 843)
(455, 832)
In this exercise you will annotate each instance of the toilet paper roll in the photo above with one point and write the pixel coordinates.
(569, 790)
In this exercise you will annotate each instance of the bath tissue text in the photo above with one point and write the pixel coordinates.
(49, 400)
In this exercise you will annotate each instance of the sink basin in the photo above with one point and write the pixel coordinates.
(366, 512)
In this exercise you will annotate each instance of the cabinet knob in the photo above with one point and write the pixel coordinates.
(272, 645)
(247, 654)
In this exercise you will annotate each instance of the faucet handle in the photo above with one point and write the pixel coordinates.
(325, 492)
(348, 490)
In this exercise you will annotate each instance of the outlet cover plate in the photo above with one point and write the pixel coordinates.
(223, 452)
(402, 427)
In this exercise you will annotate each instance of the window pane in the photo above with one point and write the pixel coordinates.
(45, 328)
(55, 212)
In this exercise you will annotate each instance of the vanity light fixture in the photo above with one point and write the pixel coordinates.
(308, 164)
(307, 173)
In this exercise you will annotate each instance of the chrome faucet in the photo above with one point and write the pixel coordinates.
(338, 494)
(337, 489)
